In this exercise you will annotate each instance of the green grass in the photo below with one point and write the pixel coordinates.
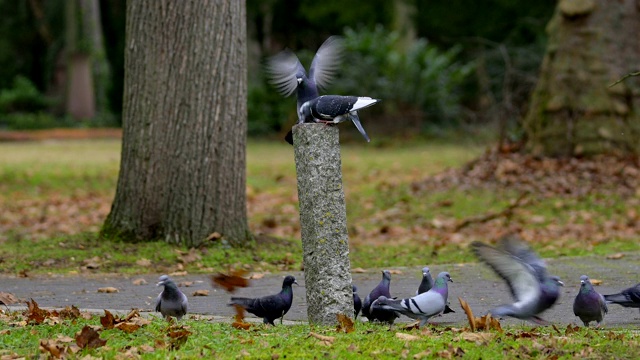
(222, 341)
(55, 195)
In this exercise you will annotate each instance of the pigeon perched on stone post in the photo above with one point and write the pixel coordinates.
(288, 75)
(420, 307)
(335, 109)
(629, 297)
(589, 305)
(171, 301)
(526, 275)
(270, 307)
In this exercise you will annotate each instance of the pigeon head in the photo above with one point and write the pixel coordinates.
(584, 279)
(585, 284)
(386, 275)
(164, 280)
(354, 288)
(425, 271)
(557, 281)
(443, 278)
(288, 281)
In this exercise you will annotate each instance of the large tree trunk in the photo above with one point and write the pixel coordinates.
(182, 175)
(592, 43)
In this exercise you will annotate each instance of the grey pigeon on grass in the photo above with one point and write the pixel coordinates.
(589, 305)
(287, 74)
(526, 275)
(426, 284)
(171, 301)
(421, 307)
(628, 297)
(335, 109)
(271, 307)
(357, 303)
(382, 289)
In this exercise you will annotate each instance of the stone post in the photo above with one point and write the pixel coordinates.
(323, 218)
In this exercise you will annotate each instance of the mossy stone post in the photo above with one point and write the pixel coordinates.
(323, 218)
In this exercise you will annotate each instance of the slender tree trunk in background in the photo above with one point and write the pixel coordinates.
(80, 100)
(592, 43)
(182, 174)
(100, 69)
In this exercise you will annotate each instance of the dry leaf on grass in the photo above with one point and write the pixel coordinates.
(469, 312)
(108, 290)
(178, 335)
(7, 298)
(358, 270)
(108, 321)
(422, 355)
(34, 314)
(70, 313)
(478, 337)
(89, 338)
(52, 347)
(200, 293)
(407, 337)
(345, 324)
(241, 325)
(127, 327)
(616, 256)
(230, 282)
(324, 340)
(143, 262)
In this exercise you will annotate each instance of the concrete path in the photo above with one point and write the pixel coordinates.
(475, 283)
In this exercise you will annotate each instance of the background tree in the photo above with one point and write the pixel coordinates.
(182, 174)
(573, 110)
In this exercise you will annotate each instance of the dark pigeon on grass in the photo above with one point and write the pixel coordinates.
(171, 301)
(288, 75)
(357, 303)
(423, 306)
(382, 289)
(628, 297)
(532, 288)
(271, 307)
(426, 284)
(335, 109)
(589, 305)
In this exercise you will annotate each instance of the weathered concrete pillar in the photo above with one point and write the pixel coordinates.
(323, 218)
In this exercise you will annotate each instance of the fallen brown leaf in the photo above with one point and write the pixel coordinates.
(138, 282)
(34, 314)
(239, 317)
(345, 324)
(395, 272)
(7, 298)
(108, 321)
(89, 338)
(616, 256)
(108, 290)
(478, 337)
(71, 312)
(422, 354)
(325, 340)
(241, 325)
(52, 347)
(358, 270)
(230, 282)
(407, 337)
(143, 262)
(178, 336)
(596, 282)
(127, 327)
(200, 292)
(256, 276)
(469, 312)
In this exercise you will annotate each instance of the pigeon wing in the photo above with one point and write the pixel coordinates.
(283, 70)
(516, 247)
(326, 61)
(520, 276)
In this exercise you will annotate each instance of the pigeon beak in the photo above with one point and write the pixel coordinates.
(561, 283)
(299, 80)
(581, 281)
(450, 280)
(160, 283)
(296, 282)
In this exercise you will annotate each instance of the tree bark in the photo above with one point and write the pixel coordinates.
(182, 175)
(573, 111)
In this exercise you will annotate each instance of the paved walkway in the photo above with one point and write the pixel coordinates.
(475, 283)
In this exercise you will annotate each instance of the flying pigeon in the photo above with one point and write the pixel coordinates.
(357, 303)
(628, 297)
(526, 275)
(426, 284)
(171, 301)
(420, 307)
(269, 307)
(589, 305)
(287, 74)
(335, 109)
(382, 289)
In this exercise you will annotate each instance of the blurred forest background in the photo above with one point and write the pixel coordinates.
(438, 64)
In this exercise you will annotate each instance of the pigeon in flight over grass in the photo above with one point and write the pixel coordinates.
(426, 284)
(357, 303)
(271, 307)
(288, 75)
(421, 307)
(171, 301)
(589, 305)
(335, 109)
(382, 289)
(628, 297)
(526, 275)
